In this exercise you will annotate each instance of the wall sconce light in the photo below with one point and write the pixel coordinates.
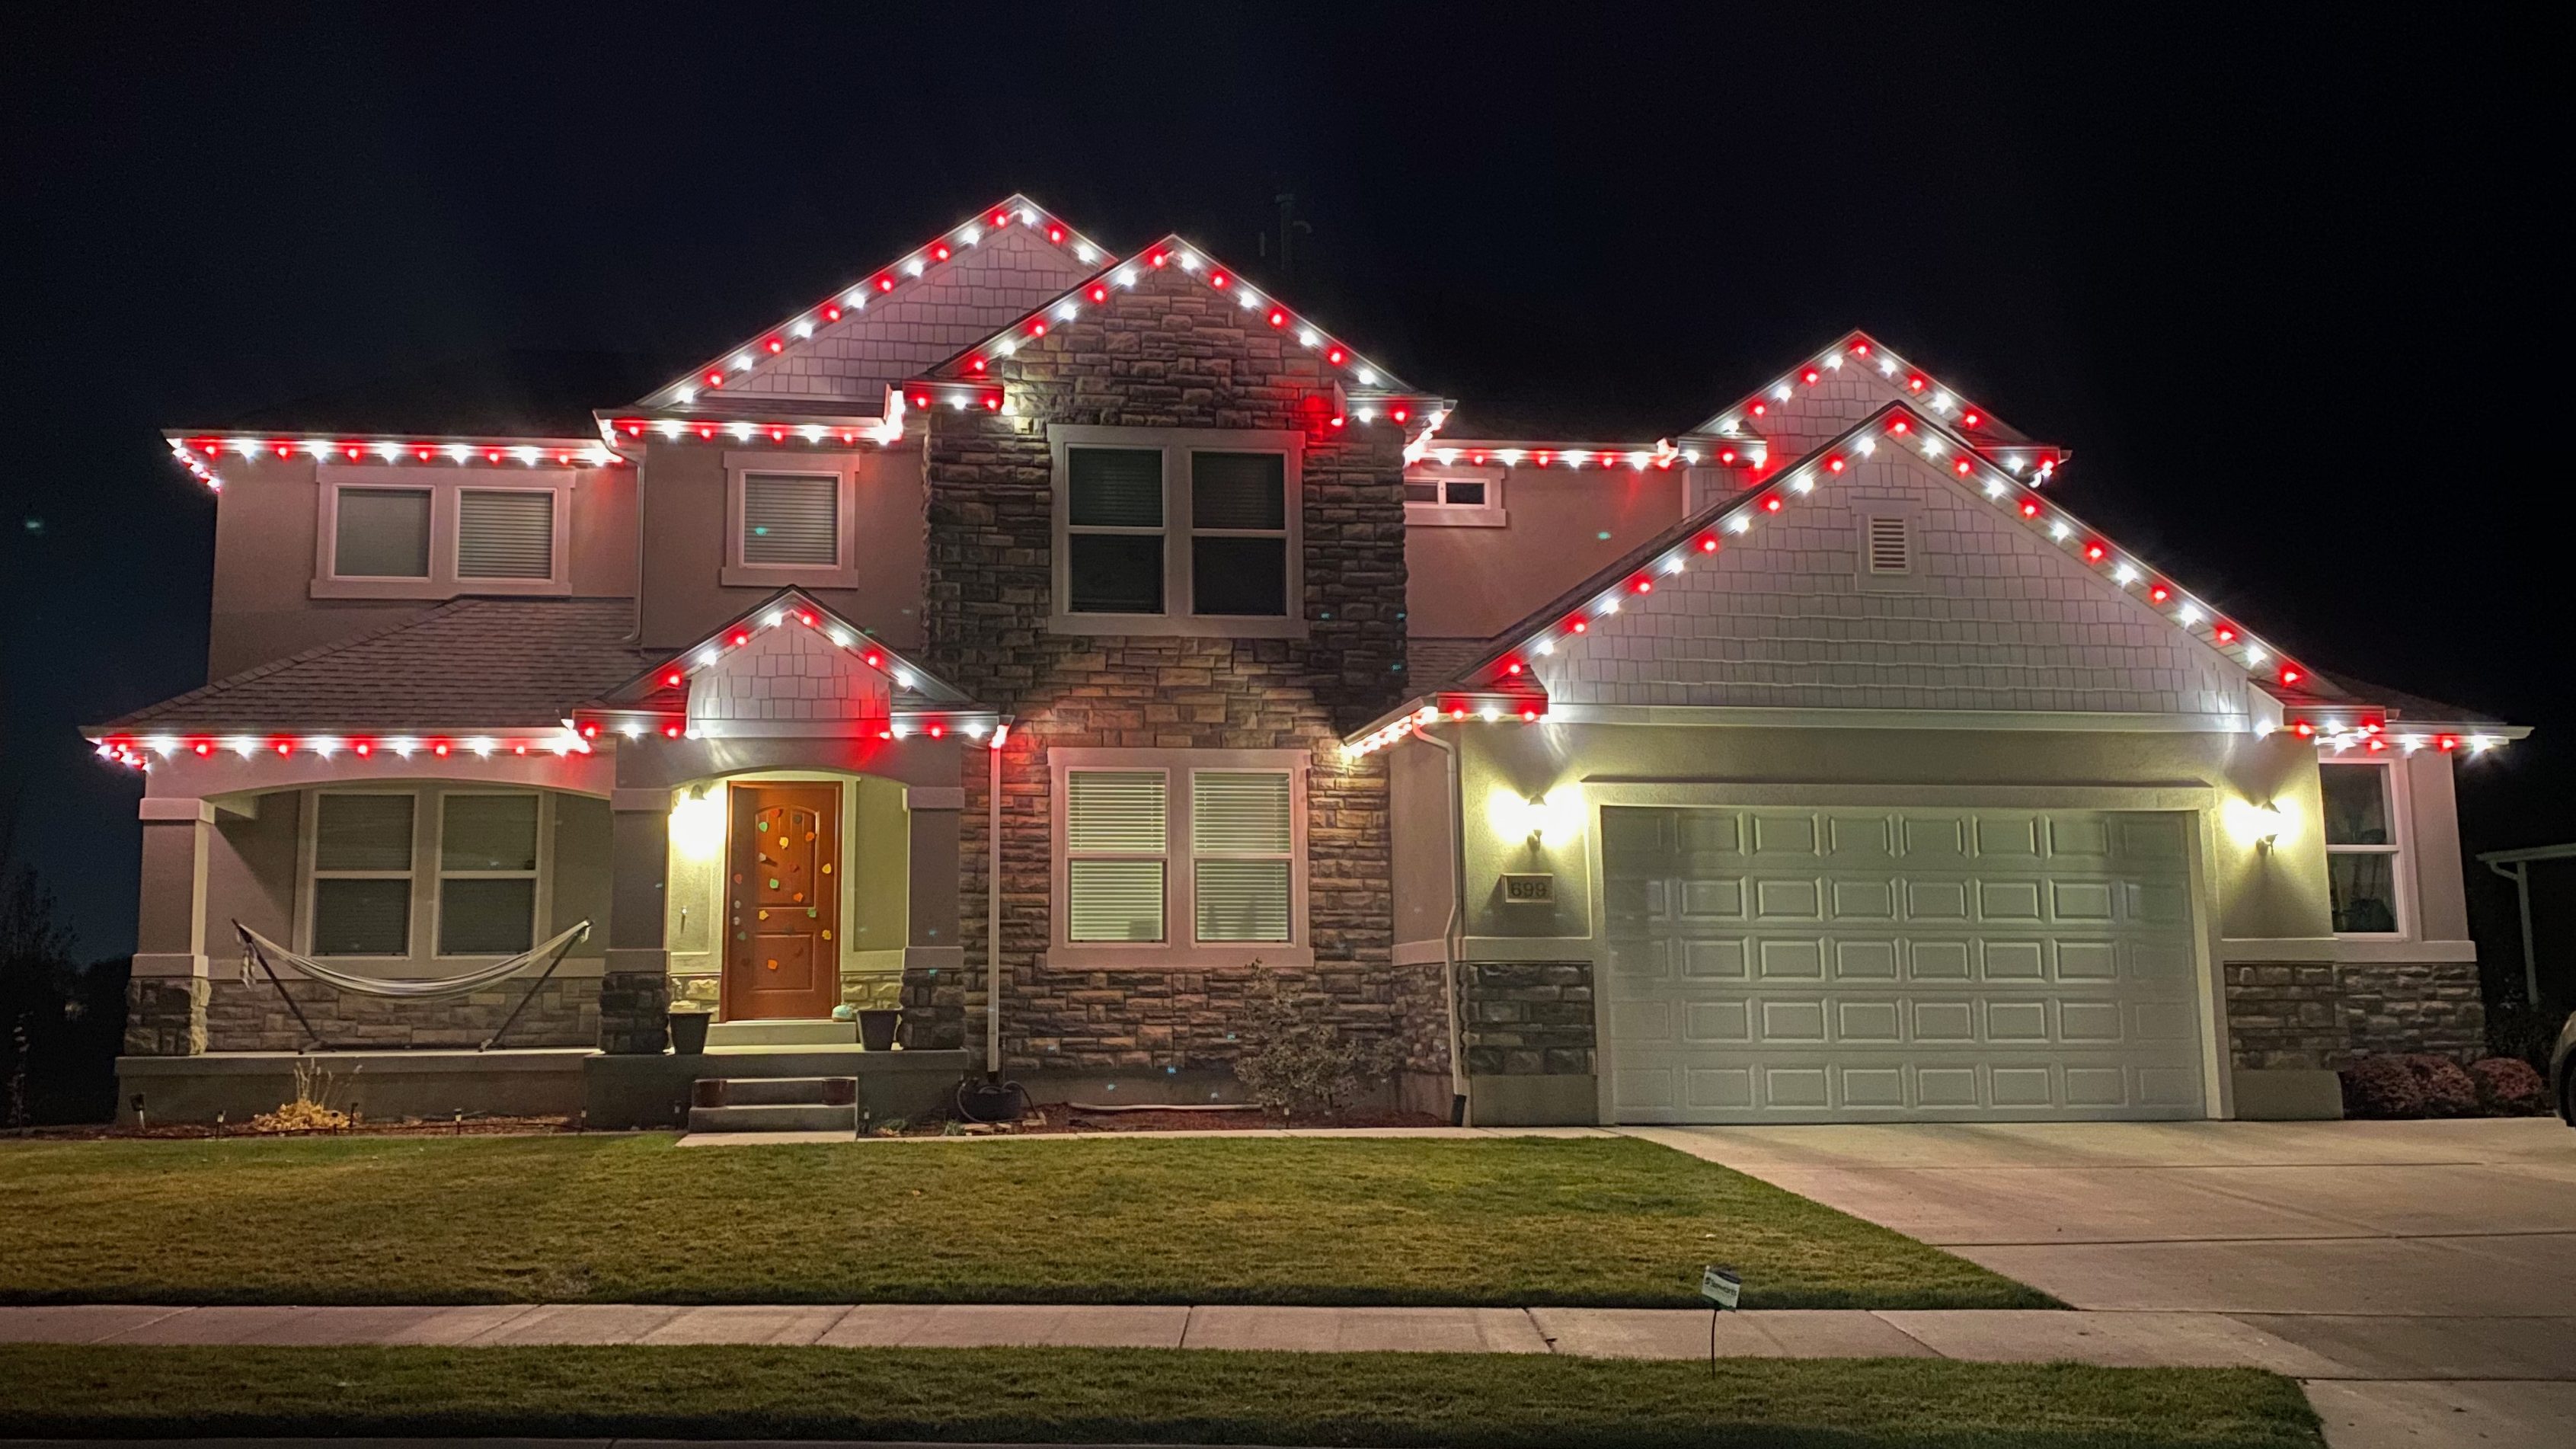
(2260, 826)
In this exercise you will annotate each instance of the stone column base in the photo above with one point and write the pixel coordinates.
(934, 1008)
(634, 1012)
(165, 1016)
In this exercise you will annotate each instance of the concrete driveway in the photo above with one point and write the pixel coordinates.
(2433, 1262)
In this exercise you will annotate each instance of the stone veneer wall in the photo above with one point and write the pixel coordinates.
(251, 1018)
(634, 1012)
(1527, 1018)
(165, 1016)
(1171, 353)
(2323, 1014)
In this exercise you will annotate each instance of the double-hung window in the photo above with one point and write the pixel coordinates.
(2364, 864)
(430, 872)
(419, 533)
(1179, 857)
(1177, 531)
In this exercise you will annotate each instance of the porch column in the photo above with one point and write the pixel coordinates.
(635, 985)
(934, 962)
(165, 999)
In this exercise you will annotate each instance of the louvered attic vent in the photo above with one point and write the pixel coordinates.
(1890, 550)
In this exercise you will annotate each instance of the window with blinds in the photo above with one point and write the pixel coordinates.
(505, 535)
(791, 519)
(1117, 840)
(487, 874)
(381, 533)
(1242, 839)
(362, 860)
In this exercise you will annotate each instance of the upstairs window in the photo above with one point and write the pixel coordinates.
(1177, 531)
(1451, 497)
(789, 520)
(382, 533)
(2364, 864)
(417, 533)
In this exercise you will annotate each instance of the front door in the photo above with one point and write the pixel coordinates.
(783, 884)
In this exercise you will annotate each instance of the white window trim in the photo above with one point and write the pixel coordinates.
(1180, 948)
(1176, 445)
(1445, 514)
(2401, 843)
(428, 822)
(443, 485)
(843, 572)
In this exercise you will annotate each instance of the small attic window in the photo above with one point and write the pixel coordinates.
(1890, 546)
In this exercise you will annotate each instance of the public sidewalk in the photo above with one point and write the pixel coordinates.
(2344, 1348)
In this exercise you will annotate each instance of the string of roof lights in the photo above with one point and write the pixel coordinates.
(192, 451)
(1900, 427)
(2015, 458)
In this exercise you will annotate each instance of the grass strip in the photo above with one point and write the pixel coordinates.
(1393, 1400)
(636, 1219)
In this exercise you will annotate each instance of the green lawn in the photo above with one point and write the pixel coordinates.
(1141, 1395)
(636, 1219)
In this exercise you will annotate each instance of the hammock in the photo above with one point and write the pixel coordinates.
(257, 948)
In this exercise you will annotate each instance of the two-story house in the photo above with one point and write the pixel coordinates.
(1038, 635)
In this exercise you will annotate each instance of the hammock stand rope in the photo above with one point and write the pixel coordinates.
(258, 948)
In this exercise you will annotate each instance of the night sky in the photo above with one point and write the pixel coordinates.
(2277, 283)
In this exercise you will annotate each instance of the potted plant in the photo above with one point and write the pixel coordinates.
(689, 1030)
(882, 1014)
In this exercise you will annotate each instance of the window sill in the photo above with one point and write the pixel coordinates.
(1146, 956)
(437, 590)
(780, 576)
(1203, 626)
(1443, 515)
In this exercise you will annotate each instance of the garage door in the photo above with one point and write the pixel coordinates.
(1805, 965)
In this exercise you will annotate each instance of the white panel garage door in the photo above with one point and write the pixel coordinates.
(1807, 965)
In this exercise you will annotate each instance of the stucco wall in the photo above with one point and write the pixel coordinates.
(685, 521)
(265, 528)
(1565, 524)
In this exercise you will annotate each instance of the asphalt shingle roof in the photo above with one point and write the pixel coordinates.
(468, 664)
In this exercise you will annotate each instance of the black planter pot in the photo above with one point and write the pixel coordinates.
(876, 1029)
(689, 1032)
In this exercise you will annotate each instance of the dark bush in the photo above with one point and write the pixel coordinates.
(2380, 1087)
(2508, 1087)
(2445, 1086)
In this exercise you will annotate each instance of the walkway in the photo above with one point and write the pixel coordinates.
(2433, 1262)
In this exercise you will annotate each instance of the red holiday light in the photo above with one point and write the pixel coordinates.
(1335, 356)
(1400, 414)
(1771, 504)
(1278, 317)
(777, 434)
(2446, 742)
(807, 617)
(1860, 349)
(2304, 730)
(1576, 625)
(590, 730)
(439, 749)
(774, 346)
(1833, 465)
(1055, 233)
(831, 311)
(738, 637)
(977, 364)
(284, 747)
(921, 400)
(2290, 675)
(2030, 508)
(939, 251)
(882, 282)
(1970, 420)
(1726, 455)
(1900, 427)
(670, 731)
(1917, 383)
(714, 378)
(671, 678)
(2225, 635)
(1642, 584)
(998, 220)
(1809, 377)
(2159, 593)
(937, 729)
(1157, 257)
(2094, 552)
(1529, 716)
(1099, 292)
(1218, 280)
(363, 748)
(1961, 467)
(1512, 667)
(1760, 408)
(875, 660)
(1707, 544)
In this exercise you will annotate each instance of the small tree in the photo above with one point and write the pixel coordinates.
(1294, 1060)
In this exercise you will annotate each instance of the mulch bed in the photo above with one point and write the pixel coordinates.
(410, 1127)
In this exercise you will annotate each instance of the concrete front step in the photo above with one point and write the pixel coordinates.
(776, 1091)
(776, 1117)
(782, 1033)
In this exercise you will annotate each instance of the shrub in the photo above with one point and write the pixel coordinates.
(2447, 1090)
(2508, 1087)
(2381, 1087)
(1294, 1060)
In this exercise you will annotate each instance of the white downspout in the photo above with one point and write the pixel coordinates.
(1450, 944)
(993, 907)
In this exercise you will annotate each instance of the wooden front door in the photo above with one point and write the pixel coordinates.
(783, 890)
